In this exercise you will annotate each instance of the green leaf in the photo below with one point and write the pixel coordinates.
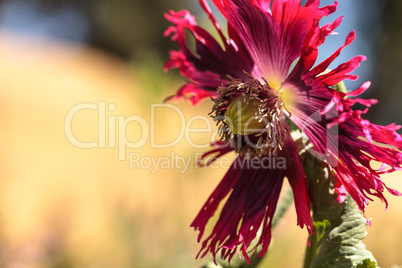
(338, 228)
(367, 263)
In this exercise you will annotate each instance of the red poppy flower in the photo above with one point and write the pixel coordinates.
(262, 76)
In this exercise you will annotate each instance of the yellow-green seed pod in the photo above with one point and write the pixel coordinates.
(243, 118)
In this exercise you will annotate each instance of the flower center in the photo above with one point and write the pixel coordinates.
(244, 118)
(251, 115)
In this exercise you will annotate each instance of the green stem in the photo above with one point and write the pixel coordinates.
(310, 250)
(338, 227)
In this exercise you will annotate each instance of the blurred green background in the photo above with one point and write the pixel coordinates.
(63, 206)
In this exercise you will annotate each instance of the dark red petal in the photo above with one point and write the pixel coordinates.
(253, 194)
(325, 64)
(274, 39)
(360, 90)
(346, 141)
(220, 149)
(264, 5)
(313, 40)
(253, 187)
(192, 93)
(297, 180)
(341, 72)
(209, 66)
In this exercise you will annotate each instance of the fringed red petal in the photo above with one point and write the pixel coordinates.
(209, 66)
(252, 187)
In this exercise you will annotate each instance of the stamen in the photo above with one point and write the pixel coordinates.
(251, 116)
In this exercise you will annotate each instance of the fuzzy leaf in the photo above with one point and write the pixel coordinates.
(339, 228)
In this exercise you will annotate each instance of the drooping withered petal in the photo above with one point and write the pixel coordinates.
(255, 90)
